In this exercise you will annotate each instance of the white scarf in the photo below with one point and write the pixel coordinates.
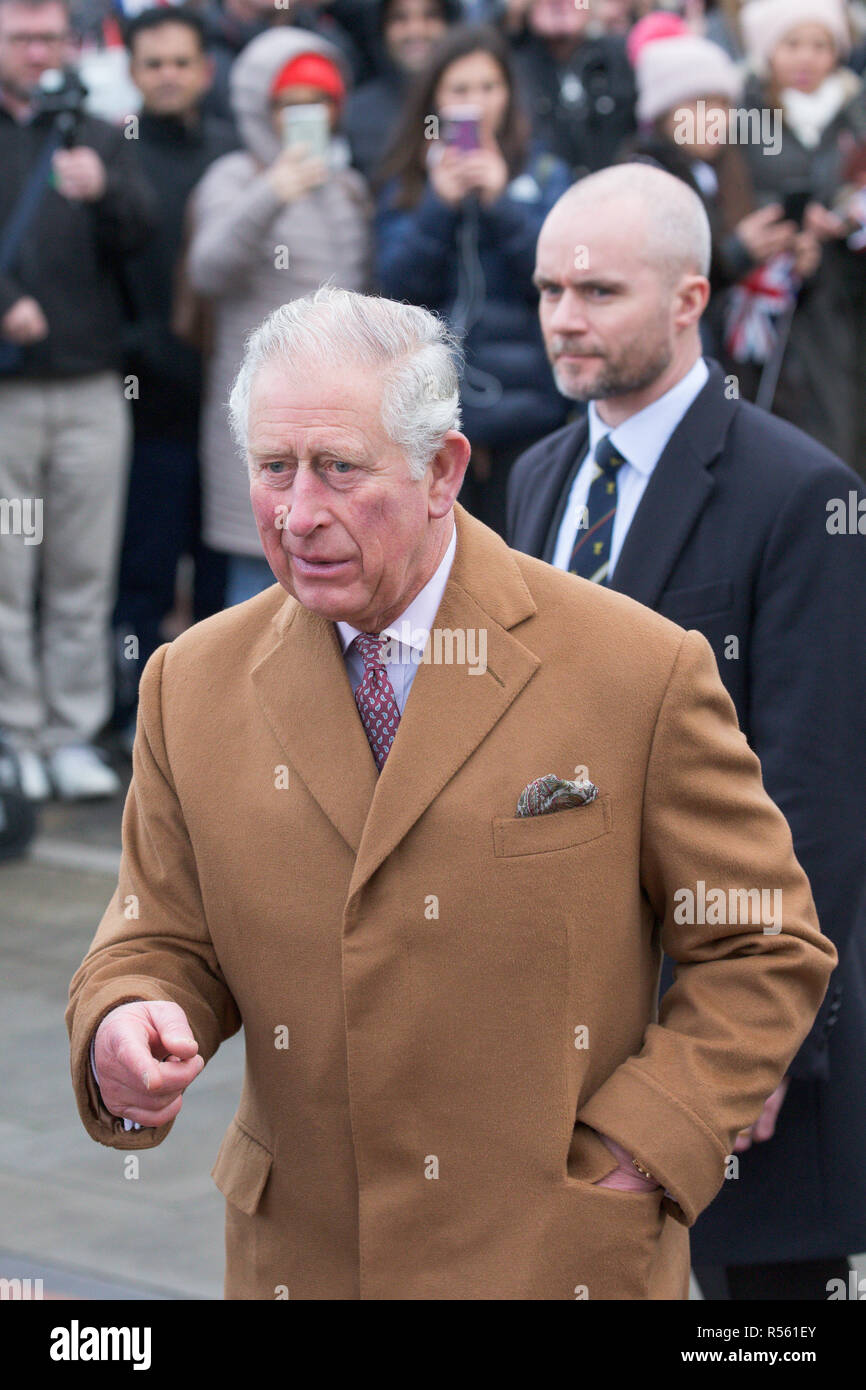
(809, 113)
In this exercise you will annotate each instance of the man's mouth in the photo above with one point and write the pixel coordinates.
(317, 567)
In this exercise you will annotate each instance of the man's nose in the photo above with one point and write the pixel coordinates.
(306, 508)
(569, 314)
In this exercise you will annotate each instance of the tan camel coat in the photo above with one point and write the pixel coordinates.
(467, 997)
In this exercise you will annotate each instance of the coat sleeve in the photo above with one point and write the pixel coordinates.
(229, 224)
(807, 701)
(153, 941)
(745, 995)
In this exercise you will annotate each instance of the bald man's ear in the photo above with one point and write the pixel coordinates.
(691, 297)
(447, 469)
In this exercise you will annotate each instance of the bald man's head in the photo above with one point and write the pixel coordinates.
(671, 221)
(621, 270)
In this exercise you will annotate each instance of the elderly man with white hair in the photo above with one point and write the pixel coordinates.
(433, 888)
(677, 493)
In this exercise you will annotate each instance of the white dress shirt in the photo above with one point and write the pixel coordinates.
(408, 638)
(408, 634)
(641, 440)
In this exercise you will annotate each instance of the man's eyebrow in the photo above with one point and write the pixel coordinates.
(272, 453)
(611, 282)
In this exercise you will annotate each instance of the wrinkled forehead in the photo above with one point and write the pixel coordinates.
(315, 408)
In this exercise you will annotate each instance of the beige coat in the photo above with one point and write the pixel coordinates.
(468, 995)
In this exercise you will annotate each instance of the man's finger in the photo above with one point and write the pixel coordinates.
(172, 1028)
(150, 1119)
(164, 1078)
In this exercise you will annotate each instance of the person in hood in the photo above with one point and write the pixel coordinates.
(231, 24)
(269, 224)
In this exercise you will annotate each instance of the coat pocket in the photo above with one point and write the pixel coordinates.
(557, 830)
(242, 1168)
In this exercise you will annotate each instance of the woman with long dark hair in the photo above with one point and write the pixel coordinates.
(461, 199)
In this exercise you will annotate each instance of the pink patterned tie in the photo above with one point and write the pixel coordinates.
(375, 698)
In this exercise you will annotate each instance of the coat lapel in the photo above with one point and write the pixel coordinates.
(303, 689)
(449, 712)
(679, 489)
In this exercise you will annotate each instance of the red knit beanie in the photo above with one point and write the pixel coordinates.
(311, 70)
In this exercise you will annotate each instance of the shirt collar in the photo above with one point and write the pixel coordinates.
(643, 438)
(414, 623)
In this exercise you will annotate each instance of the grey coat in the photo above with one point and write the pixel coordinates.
(250, 252)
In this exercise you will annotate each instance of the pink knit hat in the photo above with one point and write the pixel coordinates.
(661, 24)
(766, 22)
(685, 68)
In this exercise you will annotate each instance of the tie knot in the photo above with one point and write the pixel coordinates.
(369, 644)
(607, 457)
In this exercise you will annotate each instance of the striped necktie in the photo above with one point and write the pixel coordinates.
(590, 557)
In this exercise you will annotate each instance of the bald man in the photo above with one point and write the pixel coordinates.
(719, 516)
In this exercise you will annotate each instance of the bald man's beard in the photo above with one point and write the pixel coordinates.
(634, 369)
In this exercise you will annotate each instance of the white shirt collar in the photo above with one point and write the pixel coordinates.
(643, 438)
(414, 623)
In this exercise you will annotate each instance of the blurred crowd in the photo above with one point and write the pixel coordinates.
(172, 174)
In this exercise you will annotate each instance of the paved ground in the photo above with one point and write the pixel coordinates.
(68, 1215)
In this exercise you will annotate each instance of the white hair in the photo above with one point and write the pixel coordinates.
(678, 235)
(410, 351)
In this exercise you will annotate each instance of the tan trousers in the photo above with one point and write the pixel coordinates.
(64, 463)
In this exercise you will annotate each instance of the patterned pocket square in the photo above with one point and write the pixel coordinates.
(552, 793)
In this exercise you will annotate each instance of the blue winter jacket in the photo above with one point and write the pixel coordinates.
(417, 257)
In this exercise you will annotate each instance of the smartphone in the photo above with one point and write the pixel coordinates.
(460, 128)
(795, 202)
(307, 124)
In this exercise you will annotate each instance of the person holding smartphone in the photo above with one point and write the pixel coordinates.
(797, 51)
(270, 223)
(462, 195)
(687, 86)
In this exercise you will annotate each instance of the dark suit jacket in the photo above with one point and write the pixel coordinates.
(731, 537)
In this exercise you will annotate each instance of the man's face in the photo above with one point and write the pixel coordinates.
(558, 19)
(32, 40)
(344, 527)
(170, 69)
(411, 29)
(606, 310)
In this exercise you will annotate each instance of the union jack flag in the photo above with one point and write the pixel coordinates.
(755, 307)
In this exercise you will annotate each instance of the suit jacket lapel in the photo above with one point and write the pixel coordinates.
(679, 489)
(449, 711)
(555, 487)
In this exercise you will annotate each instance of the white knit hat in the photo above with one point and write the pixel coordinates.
(683, 68)
(766, 22)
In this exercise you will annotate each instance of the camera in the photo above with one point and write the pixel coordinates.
(62, 94)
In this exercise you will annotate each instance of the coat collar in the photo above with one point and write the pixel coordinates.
(676, 494)
(302, 686)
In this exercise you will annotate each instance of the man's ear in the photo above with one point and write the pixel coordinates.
(693, 296)
(447, 469)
